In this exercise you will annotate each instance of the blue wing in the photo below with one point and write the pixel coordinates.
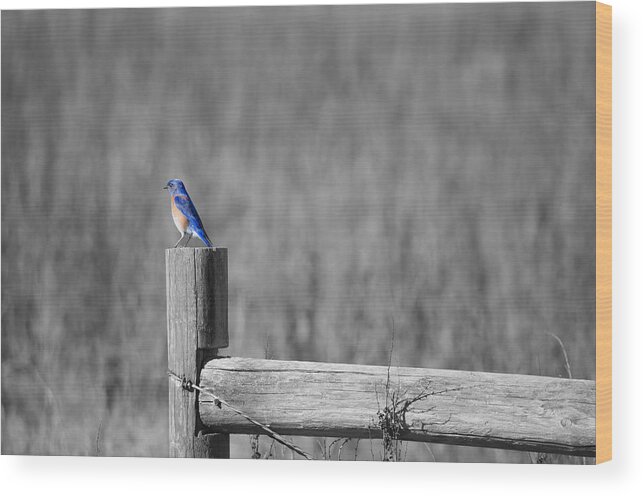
(187, 208)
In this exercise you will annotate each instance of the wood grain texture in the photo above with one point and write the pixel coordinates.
(519, 412)
(603, 232)
(196, 325)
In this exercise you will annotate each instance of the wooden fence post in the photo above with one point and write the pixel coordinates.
(197, 325)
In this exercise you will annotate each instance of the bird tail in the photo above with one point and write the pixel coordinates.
(203, 237)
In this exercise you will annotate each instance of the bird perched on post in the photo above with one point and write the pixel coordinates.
(186, 218)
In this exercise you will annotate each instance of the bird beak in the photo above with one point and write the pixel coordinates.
(164, 187)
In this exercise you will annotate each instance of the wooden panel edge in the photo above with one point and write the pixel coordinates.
(603, 232)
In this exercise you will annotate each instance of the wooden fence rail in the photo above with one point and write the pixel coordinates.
(519, 412)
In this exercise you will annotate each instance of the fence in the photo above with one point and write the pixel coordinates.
(212, 397)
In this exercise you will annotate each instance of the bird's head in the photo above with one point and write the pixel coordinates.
(175, 186)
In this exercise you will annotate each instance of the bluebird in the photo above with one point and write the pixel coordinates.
(186, 218)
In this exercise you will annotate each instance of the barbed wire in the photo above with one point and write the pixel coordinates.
(218, 401)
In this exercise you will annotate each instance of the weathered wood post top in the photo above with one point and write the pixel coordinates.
(197, 326)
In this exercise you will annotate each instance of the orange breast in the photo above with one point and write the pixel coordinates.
(180, 221)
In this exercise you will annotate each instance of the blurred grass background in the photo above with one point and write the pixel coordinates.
(422, 170)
